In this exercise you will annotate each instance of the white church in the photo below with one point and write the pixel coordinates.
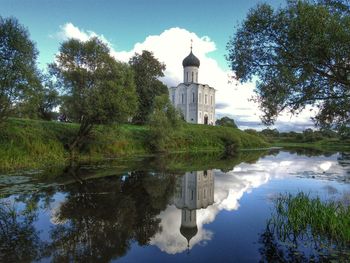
(196, 101)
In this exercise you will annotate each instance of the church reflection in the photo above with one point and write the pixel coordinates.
(194, 191)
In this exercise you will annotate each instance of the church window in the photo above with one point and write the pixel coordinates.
(187, 77)
(193, 97)
(192, 76)
(192, 195)
(196, 76)
(211, 100)
(206, 99)
(200, 98)
(182, 98)
(174, 98)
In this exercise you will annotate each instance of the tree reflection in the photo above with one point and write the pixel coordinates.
(98, 220)
(19, 240)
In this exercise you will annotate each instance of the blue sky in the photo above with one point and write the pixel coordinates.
(164, 27)
(125, 22)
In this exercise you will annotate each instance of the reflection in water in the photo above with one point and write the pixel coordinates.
(19, 239)
(99, 219)
(195, 190)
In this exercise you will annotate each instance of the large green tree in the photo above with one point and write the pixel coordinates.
(97, 88)
(18, 71)
(226, 121)
(299, 55)
(147, 70)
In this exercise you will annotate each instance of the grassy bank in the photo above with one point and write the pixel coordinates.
(37, 144)
(321, 145)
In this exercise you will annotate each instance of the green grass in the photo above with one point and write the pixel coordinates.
(300, 215)
(307, 229)
(322, 145)
(36, 144)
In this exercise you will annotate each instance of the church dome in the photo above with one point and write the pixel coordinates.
(191, 61)
(188, 232)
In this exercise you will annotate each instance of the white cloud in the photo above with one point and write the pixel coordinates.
(171, 47)
(69, 30)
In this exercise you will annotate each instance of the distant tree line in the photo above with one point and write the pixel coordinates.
(307, 135)
(84, 84)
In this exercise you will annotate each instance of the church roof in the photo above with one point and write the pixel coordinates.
(191, 61)
(188, 232)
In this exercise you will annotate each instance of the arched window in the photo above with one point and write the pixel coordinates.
(193, 97)
(187, 77)
(196, 76)
(192, 76)
(211, 100)
(206, 99)
(182, 98)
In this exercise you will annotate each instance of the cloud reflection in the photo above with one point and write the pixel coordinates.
(230, 187)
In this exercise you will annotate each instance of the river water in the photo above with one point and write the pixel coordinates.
(201, 208)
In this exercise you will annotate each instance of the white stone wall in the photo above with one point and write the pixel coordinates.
(206, 104)
(196, 101)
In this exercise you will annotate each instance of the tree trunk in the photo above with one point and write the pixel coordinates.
(84, 130)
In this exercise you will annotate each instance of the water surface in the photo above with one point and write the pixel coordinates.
(165, 209)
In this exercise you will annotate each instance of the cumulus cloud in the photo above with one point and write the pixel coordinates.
(171, 47)
(69, 30)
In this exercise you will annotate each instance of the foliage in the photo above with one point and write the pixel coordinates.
(301, 222)
(18, 72)
(98, 89)
(39, 104)
(147, 69)
(300, 55)
(226, 121)
(270, 132)
(164, 119)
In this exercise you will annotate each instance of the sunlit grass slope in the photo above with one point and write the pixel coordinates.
(36, 144)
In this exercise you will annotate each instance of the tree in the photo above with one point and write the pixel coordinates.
(226, 121)
(97, 88)
(18, 72)
(300, 56)
(39, 103)
(147, 70)
(163, 120)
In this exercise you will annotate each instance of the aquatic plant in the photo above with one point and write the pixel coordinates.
(306, 229)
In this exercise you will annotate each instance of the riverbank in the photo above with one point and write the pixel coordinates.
(322, 145)
(33, 144)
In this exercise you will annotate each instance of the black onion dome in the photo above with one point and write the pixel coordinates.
(188, 232)
(191, 61)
